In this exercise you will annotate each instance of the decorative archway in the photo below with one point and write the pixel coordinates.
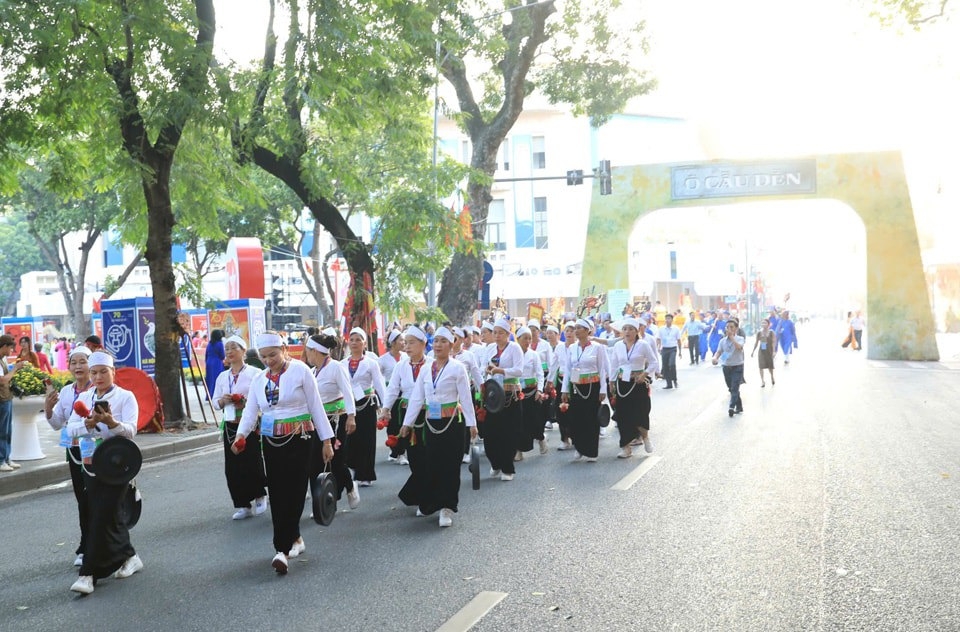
(874, 185)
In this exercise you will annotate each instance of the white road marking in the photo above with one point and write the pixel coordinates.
(471, 613)
(627, 481)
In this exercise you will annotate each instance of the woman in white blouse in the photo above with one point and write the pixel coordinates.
(244, 472)
(557, 373)
(113, 413)
(502, 430)
(531, 383)
(333, 382)
(389, 360)
(369, 391)
(58, 408)
(442, 394)
(468, 358)
(585, 389)
(634, 366)
(399, 394)
(285, 400)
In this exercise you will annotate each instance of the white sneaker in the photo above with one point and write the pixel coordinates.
(243, 512)
(420, 514)
(83, 585)
(625, 453)
(506, 477)
(365, 483)
(578, 456)
(403, 460)
(564, 446)
(392, 459)
(591, 459)
(494, 473)
(518, 457)
(132, 565)
(446, 517)
(79, 561)
(353, 497)
(543, 446)
(297, 548)
(280, 563)
(259, 506)
(548, 426)
(14, 465)
(648, 445)
(603, 433)
(466, 458)
(4, 467)
(636, 442)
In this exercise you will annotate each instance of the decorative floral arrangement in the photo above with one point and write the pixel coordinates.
(32, 381)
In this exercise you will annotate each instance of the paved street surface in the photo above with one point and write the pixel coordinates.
(830, 504)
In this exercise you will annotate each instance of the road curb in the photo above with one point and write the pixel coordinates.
(57, 472)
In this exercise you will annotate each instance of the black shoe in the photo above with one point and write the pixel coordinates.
(667, 388)
(730, 412)
(739, 410)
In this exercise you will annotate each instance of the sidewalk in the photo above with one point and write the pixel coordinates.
(53, 469)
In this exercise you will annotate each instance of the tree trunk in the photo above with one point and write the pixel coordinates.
(160, 222)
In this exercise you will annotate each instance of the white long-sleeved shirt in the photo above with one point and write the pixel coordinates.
(63, 409)
(510, 359)
(638, 357)
(297, 395)
(559, 367)
(402, 381)
(123, 407)
(388, 363)
(545, 353)
(228, 384)
(450, 384)
(367, 376)
(532, 369)
(469, 360)
(333, 383)
(589, 359)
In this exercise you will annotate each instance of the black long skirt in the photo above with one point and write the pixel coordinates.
(532, 420)
(441, 464)
(414, 490)
(338, 466)
(362, 451)
(502, 436)
(80, 493)
(397, 411)
(245, 475)
(288, 463)
(108, 539)
(582, 417)
(633, 410)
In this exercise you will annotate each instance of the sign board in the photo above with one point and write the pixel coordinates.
(129, 333)
(243, 317)
(735, 179)
(616, 301)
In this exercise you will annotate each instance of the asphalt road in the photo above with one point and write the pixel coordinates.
(830, 504)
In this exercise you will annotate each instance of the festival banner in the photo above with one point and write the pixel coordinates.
(147, 340)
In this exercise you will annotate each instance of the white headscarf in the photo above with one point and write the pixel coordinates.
(359, 332)
(416, 332)
(503, 324)
(100, 358)
(269, 340)
(82, 350)
(522, 331)
(443, 332)
(237, 340)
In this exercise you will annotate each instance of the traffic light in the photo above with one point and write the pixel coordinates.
(606, 185)
(277, 300)
(574, 177)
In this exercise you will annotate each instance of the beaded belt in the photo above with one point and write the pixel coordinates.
(588, 378)
(299, 424)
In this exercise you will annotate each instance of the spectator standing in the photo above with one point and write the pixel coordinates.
(44, 360)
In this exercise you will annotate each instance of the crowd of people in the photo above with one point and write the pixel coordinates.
(289, 419)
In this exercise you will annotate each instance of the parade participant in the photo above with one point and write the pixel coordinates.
(389, 360)
(545, 354)
(336, 391)
(26, 352)
(7, 345)
(486, 333)
(668, 341)
(469, 360)
(285, 398)
(401, 387)
(635, 365)
(730, 354)
(107, 550)
(58, 407)
(442, 399)
(556, 376)
(244, 472)
(786, 335)
(475, 336)
(502, 429)
(369, 390)
(550, 384)
(531, 383)
(399, 393)
(767, 341)
(214, 360)
(692, 329)
(584, 390)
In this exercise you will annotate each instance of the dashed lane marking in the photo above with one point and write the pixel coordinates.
(627, 481)
(471, 613)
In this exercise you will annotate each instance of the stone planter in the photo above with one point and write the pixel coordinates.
(25, 438)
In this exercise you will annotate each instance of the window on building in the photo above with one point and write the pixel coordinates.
(505, 154)
(497, 225)
(540, 229)
(465, 152)
(539, 158)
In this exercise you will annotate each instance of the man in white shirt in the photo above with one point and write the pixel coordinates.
(668, 341)
(856, 323)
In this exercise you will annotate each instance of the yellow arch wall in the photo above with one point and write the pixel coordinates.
(899, 319)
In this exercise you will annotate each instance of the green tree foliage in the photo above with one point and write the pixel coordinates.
(19, 254)
(495, 54)
(914, 13)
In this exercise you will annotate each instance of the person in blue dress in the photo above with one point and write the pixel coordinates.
(786, 335)
(717, 332)
(215, 360)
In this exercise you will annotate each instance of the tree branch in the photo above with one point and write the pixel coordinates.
(930, 18)
(124, 275)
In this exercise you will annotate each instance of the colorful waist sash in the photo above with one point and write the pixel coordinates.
(336, 406)
(588, 378)
(291, 425)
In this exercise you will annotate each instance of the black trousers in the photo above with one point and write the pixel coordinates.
(397, 411)
(633, 410)
(693, 346)
(108, 540)
(668, 358)
(338, 466)
(441, 464)
(80, 493)
(362, 451)
(532, 420)
(501, 436)
(288, 462)
(584, 425)
(244, 472)
(414, 490)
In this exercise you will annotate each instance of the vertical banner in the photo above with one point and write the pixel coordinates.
(119, 335)
(146, 333)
